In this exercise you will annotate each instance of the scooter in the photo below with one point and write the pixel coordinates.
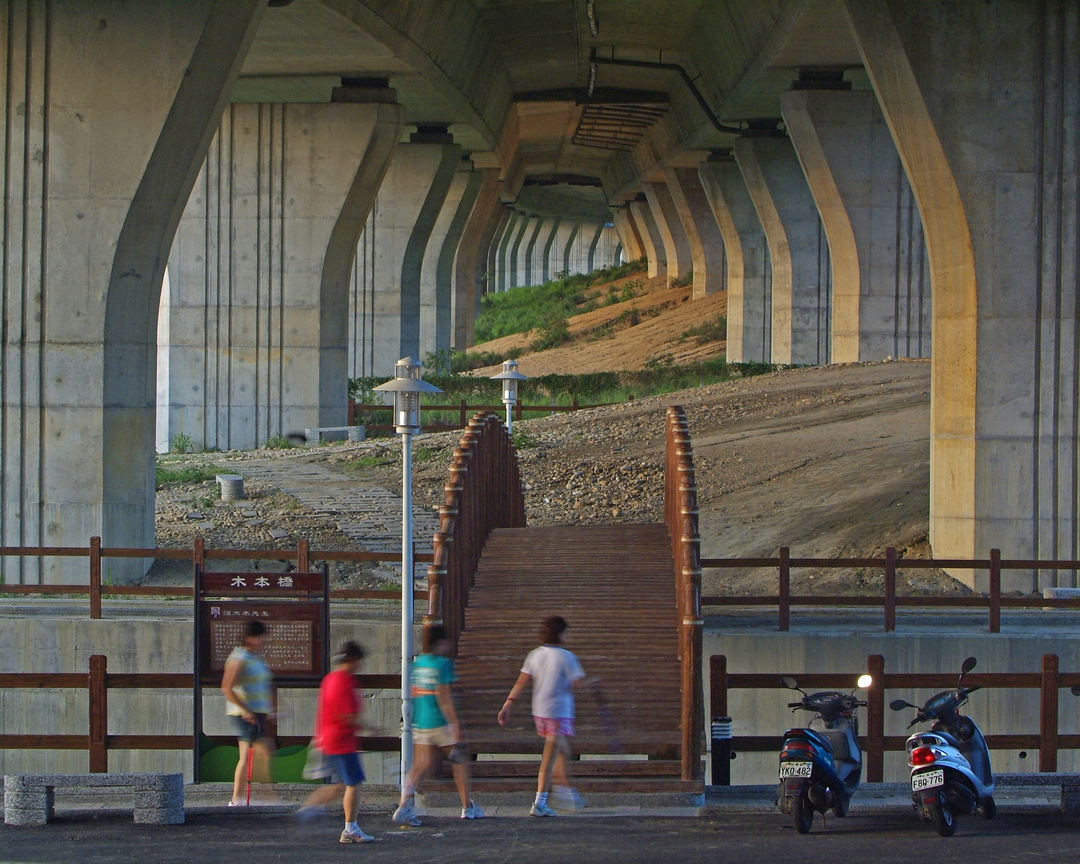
(820, 769)
(950, 764)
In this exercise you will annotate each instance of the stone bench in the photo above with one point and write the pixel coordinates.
(1068, 783)
(158, 798)
(313, 437)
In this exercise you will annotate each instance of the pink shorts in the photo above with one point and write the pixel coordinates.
(554, 726)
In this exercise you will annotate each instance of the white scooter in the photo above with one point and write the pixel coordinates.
(950, 764)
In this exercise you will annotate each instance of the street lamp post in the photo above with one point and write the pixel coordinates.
(509, 377)
(406, 385)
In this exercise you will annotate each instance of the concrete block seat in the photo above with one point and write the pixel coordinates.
(1068, 783)
(158, 797)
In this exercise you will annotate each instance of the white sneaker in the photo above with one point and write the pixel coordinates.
(567, 798)
(542, 810)
(357, 836)
(406, 815)
(473, 811)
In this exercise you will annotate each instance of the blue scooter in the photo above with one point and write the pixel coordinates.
(820, 768)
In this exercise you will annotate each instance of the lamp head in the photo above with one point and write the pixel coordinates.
(407, 385)
(510, 378)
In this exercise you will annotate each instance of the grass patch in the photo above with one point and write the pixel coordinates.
(278, 442)
(366, 461)
(713, 330)
(424, 454)
(187, 474)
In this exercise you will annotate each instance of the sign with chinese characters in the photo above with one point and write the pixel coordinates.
(260, 584)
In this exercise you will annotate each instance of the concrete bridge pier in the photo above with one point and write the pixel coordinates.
(260, 270)
(109, 109)
(633, 248)
(516, 250)
(472, 271)
(437, 271)
(798, 250)
(880, 272)
(406, 210)
(1001, 233)
(650, 238)
(749, 272)
(527, 257)
(670, 229)
(564, 243)
(548, 253)
(699, 225)
(504, 241)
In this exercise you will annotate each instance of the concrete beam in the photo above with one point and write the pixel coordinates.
(702, 234)
(798, 251)
(260, 271)
(749, 273)
(881, 297)
(669, 225)
(999, 220)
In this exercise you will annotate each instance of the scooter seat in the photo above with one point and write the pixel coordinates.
(812, 736)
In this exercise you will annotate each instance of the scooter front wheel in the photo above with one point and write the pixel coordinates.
(944, 818)
(803, 810)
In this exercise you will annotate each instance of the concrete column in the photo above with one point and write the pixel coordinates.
(109, 109)
(437, 273)
(407, 208)
(986, 123)
(628, 234)
(548, 246)
(666, 216)
(528, 274)
(502, 241)
(513, 255)
(650, 238)
(801, 303)
(251, 352)
(699, 225)
(592, 265)
(568, 233)
(472, 272)
(749, 272)
(881, 297)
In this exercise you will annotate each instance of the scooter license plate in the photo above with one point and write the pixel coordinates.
(928, 780)
(796, 769)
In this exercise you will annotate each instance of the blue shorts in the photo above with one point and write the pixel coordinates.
(345, 768)
(249, 733)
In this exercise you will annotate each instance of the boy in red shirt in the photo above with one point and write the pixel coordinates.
(337, 721)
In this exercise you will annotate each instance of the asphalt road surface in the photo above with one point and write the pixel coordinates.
(726, 837)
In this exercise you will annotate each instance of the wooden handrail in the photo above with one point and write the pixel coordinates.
(681, 517)
(1048, 681)
(483, 493)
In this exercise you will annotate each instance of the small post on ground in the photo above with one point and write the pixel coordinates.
(99, 715)
(785, 589)
(890, 589)
(995, 590)
(875, 720)
(721, 722)
(95, 578)
(1048, 714)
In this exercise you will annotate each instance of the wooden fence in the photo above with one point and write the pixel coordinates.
(483, 493)
(99, 681)
(463, 409)
(198, 554)
(890, 600)
(681, 516)
(875, 742)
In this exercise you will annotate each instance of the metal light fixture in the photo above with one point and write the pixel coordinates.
(407, 386)
(510, 377)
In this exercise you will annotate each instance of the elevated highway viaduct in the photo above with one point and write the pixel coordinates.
(216, 211)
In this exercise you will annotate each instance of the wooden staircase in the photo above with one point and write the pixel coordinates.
(631, 596)
(614, 586)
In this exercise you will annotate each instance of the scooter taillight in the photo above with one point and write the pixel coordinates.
(922, 756)
(797, 748)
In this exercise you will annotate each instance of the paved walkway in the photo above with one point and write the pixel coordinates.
(364, 511)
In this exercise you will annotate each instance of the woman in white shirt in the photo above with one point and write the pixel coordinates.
(555, 673)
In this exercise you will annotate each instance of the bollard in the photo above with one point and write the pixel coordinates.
(721, 751)
(312, 437)
(232, 487)
(357, 434)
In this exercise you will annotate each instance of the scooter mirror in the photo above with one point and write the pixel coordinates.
(790, 682)
(969, 664)
(900, 705)
(864, 682)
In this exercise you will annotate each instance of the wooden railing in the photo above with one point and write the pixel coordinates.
(875, 742)
(463, 409)
(99, 681)
(681, 517)
(483, 493)
(993, 601)
(198, 554)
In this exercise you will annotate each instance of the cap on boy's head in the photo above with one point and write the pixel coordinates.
(254, 629)
(349, 652)
(552, 628)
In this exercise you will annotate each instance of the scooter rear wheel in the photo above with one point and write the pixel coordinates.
(944, 819)
(804, 811)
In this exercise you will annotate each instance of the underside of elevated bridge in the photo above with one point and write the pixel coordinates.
(217, 211)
